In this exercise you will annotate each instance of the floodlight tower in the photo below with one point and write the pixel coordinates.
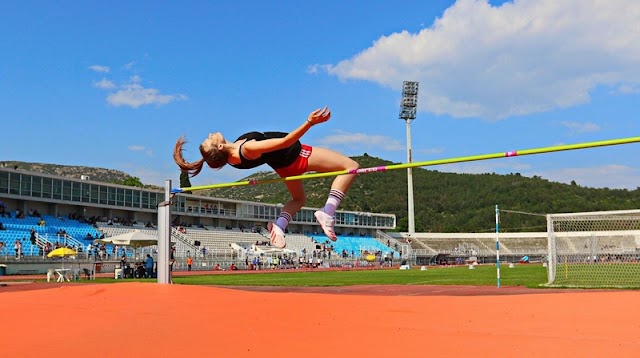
(408, 108)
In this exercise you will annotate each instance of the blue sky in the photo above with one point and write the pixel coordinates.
(113, 84)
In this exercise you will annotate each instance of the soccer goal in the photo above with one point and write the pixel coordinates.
(594, 249)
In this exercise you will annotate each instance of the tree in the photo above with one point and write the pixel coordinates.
(130, 181)
(185, 182)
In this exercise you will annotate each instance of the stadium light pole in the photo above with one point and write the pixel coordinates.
(408, 109)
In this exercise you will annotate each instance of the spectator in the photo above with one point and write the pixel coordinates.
(17, 246)
(123, 265)
(140, 271)
(189, 263)
(172, 258)
(148, 264)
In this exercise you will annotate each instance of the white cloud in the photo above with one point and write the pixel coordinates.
(313, 69)
(429, 151)
(578, 127)
(613, 176)
(361, 141)
(129, 66)
(518, 58)
(627, 89)
(141, 148)
(134, 95)
(104, 84)
(99, 68)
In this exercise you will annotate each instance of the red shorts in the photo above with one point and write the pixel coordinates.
(298, 167)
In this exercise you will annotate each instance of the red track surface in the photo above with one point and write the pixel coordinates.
(146, 319)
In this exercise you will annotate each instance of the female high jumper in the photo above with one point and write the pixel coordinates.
(288, 157)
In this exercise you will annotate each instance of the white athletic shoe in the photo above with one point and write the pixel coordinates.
(277, 236)
(327, 222)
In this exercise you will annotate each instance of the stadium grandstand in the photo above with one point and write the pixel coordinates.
(41, 212)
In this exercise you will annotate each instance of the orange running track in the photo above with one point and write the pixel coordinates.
(154, 320)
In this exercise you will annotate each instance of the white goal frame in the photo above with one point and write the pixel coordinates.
(594, 249)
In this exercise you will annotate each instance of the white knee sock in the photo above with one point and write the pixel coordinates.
(334, 199)
(283, 220)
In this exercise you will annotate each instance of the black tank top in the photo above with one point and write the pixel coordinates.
(280, 158)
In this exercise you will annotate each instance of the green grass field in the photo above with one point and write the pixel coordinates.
(527, 275)
(521, 275)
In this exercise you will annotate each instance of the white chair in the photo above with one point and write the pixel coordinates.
(118, 273)
(75, 274)
(51, 275)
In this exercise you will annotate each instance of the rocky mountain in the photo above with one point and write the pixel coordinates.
(71, 171)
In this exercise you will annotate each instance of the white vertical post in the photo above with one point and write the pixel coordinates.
(164, 235)
(498, 246)
(551, 251)
(412, 227)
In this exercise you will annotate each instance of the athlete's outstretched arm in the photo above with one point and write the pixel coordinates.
(254, 148)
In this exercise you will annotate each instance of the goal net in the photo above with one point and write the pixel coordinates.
(594, 249)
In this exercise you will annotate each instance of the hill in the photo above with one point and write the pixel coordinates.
(73, 171)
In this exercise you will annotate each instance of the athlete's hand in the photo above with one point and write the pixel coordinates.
(319, 116)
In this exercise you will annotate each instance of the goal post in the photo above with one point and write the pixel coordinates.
(594, 249)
